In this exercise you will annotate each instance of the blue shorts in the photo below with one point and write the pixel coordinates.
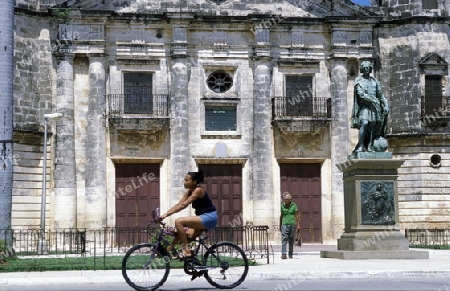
(209, 220)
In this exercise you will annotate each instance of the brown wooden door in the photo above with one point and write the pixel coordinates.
(137, 194)
(302, 181)
(224, 184)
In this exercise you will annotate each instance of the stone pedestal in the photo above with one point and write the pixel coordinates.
(371, 210)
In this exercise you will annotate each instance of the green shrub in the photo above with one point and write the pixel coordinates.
(5, 253)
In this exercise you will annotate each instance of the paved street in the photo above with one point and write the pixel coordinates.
(344, 284)
(307, 271)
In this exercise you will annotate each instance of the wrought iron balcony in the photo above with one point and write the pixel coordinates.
(138, 111)
(298, 107)
(301, 115)
(156, 105)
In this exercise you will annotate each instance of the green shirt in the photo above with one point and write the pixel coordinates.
(289, 213)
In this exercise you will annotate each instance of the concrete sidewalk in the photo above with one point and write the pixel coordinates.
(306, 263)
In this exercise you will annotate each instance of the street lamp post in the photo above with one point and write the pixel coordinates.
(42, 244)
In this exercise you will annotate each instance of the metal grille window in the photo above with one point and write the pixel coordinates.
(433, 94)
(220, 118)
(219, 81)
(137, 91)
(429, 4)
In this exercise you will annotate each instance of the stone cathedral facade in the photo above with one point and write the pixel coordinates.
(256, 93)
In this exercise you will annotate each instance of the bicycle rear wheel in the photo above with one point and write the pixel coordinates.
(226, 265)
(143, 268)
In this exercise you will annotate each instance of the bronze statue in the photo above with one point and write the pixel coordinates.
(369, 114)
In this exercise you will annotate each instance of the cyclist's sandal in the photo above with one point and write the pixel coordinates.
(183, 256)
(172, 252)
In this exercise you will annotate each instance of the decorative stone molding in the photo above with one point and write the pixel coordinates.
(433, 64)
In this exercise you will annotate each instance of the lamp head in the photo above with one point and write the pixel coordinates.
(53, 115)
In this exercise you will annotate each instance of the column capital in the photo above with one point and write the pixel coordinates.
(93, 56)
(336, 58)
(64, 56)
(262, 61)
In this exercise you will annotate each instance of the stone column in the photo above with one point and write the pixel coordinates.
(95, 174)
(180, 156)
(339, 141)
(262, 154)
(65, 197)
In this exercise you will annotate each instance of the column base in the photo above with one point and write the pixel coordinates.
(373, 241)
(374, 245)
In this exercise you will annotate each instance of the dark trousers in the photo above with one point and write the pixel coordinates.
(287, 237)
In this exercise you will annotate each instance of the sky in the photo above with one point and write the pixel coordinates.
(362, 2)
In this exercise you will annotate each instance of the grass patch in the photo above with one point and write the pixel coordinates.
(38, 264)
(62, 264)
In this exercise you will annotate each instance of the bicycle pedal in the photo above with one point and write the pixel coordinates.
(196, 275)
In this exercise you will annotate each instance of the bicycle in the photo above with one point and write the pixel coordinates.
(146, 266)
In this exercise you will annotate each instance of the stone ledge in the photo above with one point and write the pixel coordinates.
(370, 155)
(370, 255)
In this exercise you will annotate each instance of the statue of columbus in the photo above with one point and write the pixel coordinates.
(370, 111)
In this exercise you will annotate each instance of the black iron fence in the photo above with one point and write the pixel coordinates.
(301, 107)
(145, 104)
(432, 238)
(95, 249)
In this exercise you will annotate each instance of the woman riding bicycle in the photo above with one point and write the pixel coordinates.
(206, 214)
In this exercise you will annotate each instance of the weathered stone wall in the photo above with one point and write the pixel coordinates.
(27, 179)
(33, 89)
(33, 72)
(424, 190)
(39, 5)
(407, 8)
(401, 49)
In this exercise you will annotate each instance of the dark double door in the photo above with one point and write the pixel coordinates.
(137, 195)
(302, 181)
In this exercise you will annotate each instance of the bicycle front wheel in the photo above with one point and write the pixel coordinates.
(226, 265)
(143, 268)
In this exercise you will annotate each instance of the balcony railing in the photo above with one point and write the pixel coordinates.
(143, 104)
(298, 107)
(435, 109)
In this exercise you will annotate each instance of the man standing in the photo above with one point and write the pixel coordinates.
(370, 110)
(289, 223)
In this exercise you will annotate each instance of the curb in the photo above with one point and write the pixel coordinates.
(99, 277)
(302, 276)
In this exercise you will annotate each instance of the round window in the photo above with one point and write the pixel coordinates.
(219, 81)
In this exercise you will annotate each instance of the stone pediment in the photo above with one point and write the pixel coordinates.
(283, 8)
(433, 59)
(433, 64)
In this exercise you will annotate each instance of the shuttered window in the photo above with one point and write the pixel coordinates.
(433, 94)
(299, 100)
(220, 118)
(137, 89)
